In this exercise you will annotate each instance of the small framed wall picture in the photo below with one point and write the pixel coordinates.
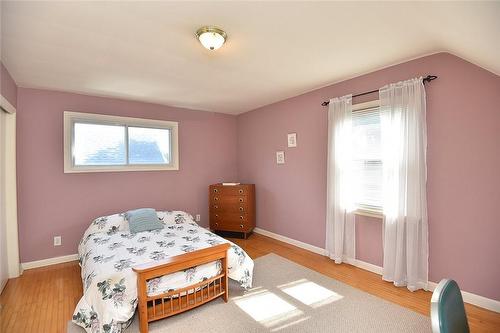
(292, 140)
(280, 157)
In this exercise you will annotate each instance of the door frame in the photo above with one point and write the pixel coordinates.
(12, 233)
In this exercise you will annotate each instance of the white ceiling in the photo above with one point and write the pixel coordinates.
(147, 50)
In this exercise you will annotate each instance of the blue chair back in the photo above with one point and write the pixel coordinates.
(447, 309)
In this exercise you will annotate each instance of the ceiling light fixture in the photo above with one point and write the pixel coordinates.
(211, 37)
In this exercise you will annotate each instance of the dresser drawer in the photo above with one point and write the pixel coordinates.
(230, 227)
(229, 190)
(227, 200)
(241, 207)
(228, 218)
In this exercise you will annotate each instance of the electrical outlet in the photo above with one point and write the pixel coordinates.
(57, 240)
(198, 218)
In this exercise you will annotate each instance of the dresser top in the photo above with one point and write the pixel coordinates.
(242, 184)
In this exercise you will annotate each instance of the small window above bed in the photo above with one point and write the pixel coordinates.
(102, 143)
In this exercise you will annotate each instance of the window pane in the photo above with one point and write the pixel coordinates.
(366, 134)
(149, 145)
(367, 159)
(368, 192)
(99, 144)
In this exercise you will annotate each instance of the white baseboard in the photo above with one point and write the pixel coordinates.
(48, 262)
(474, 299)
(291, 241)
(468, 297)
(367, 266)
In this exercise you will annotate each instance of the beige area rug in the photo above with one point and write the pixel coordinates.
(288, 297)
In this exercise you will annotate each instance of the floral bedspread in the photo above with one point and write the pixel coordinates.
(108, 251)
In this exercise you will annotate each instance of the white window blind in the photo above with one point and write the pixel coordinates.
(367, 159)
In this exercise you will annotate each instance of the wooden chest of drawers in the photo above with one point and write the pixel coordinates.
(232, 208)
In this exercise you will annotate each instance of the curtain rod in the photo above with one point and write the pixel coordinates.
(428, 78)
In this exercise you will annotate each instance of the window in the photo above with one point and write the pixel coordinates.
(367, 157)
(99, 143)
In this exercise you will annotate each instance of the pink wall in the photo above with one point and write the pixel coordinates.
(53, 203)
(463, 163)
(463, 168)
(8, 87)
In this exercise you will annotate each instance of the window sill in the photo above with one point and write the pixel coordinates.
(169, 167)
(369, 213)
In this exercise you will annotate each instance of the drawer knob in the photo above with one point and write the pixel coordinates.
(216, 206)
(216, 199)
(241, 209)
(240, 191)
(216, 190)
(216, 224)
(241, 199)
(216, 215)
(241, 217)
(241, 226)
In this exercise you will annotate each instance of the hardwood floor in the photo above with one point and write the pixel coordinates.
(43, 299)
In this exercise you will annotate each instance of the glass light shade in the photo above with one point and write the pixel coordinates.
(211, 38)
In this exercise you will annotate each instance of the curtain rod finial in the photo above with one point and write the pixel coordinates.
(429, 78)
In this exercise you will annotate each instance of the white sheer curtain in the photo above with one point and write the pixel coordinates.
(340, 237)
(404, 142)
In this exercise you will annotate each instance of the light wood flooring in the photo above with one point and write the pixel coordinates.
(43, 299)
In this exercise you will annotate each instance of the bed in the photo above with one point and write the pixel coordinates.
(162, 272)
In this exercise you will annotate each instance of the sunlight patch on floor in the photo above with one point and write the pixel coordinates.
(267, 308)
(295, 322)
(310, 293)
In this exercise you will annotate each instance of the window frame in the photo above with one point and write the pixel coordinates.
(100, 119)
(376, 212)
